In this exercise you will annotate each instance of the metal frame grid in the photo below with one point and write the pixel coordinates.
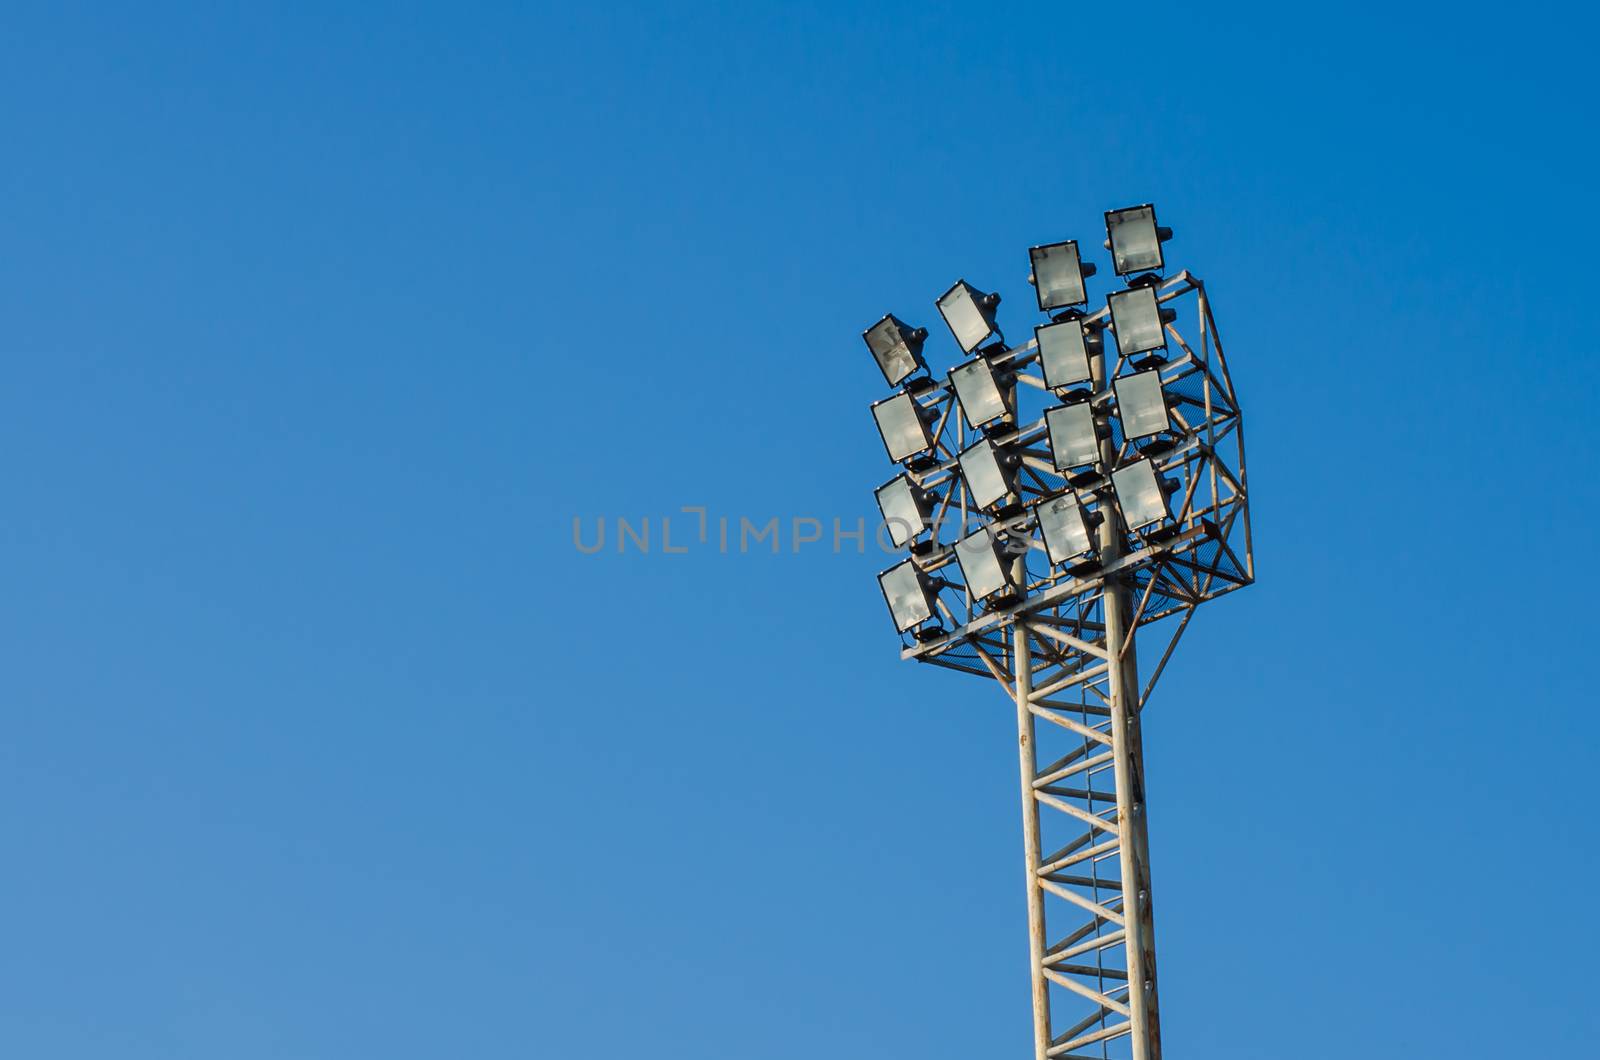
(1066, 653)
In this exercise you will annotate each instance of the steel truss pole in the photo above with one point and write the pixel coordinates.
(1022, 667)
(1032, 841)
(1133, 849)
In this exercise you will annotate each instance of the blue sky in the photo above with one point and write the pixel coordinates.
(321, 740)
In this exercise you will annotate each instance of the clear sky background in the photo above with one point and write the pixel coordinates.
(319, 739)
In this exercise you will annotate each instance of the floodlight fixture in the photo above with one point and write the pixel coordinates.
(1141, 494)
(969, 313)
(1138, 320)
(909, 593)
(1064, 352)
(905, 507)
(903, 423)
(978, 390)
(989, 471)
(1141, 404)
(1074, 439)
(1064, 527)
(1134, 239)
(1058, 275)
(896, 347)
(984, 565)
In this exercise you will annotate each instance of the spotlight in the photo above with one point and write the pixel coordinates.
(982, 400)
(1140, 494)
(1074, 441)
(904, 426)
(1138, 319)
(909, 593)
(896, 347)
(1134, 239)
(984, 566)
(1065, 530)
(1058, 275)
(905, 507)
(969, 313)
(989, 472)
(1141, 404)
(1064, 353)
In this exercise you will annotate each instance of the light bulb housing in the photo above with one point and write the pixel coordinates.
(1064, 527)
(897, 347)
(1064, 349)
(903, 425)
(989, 470)
(1134, 239)
(1138, 320)
(969, 314)
(1142, 404)
(985, 566)
(905, 507)
(1141, 494)
(1058, 275)
(909, 593)
(979, 390)
(1074, 436)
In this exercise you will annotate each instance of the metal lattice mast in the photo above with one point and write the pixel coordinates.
(1062, 641)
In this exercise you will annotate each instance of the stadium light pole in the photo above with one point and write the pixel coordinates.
(1128, 775)
(1159, 519)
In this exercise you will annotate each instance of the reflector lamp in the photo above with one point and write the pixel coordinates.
(1140, 494)
(909, 594)
(1141, 404)
(1058, 275)
(1134, 239)
(904, 426)
(1138, 319)
(905, 507)
(984, 567)
(1063, 353)
(969, 313)
(1065, 530)
(988, 471)
(896, 347)
(1074, 441)
(978, 391)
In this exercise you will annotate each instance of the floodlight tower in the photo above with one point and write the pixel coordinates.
(1060, 500)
